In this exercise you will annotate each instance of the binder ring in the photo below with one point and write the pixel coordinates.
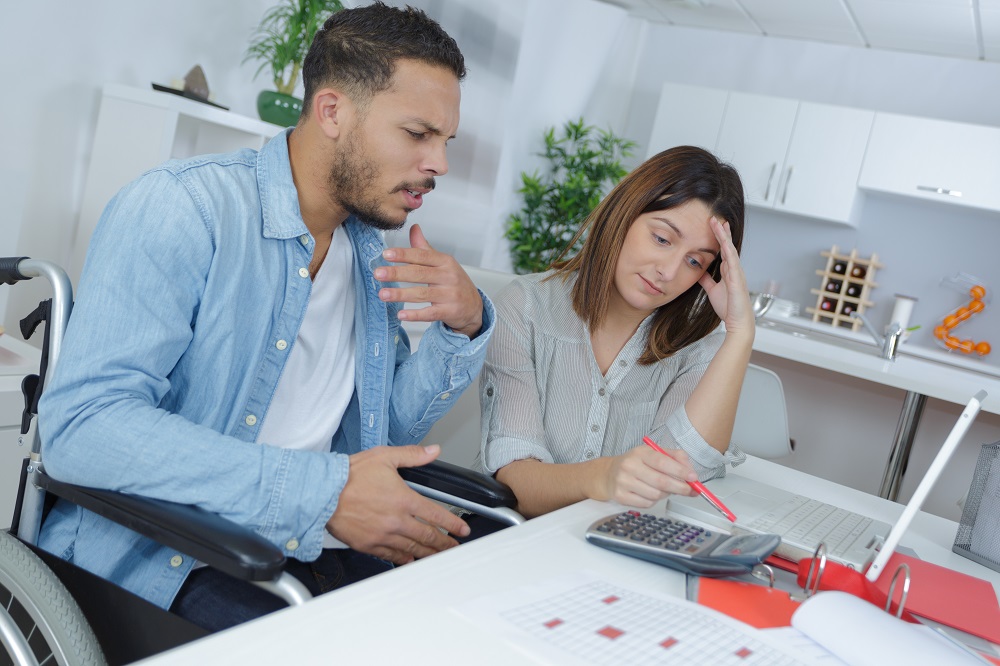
(761, 570)
(812, 585)
(905, 569)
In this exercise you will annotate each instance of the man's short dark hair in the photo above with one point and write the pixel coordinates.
(357, 50)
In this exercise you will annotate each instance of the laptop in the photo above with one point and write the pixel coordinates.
(851, 539)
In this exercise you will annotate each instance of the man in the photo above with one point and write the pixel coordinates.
(236, 341)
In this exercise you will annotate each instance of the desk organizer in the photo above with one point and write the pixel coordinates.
(845, 285)
(978, 536)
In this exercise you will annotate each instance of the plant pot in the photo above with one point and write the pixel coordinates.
(278, 108)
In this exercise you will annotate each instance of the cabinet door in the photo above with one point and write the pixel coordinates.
(820, 178)
(945, 161)
(687, 116)
(754, 138)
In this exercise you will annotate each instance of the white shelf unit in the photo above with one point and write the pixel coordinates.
(138, 129)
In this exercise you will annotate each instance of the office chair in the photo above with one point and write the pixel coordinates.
(54, 612)
(761, 427)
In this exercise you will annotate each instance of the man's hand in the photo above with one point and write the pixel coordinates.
(453, 297)
(380, 515)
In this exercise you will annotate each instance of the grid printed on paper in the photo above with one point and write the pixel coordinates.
(604, 624)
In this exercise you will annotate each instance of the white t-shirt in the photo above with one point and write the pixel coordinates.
(317, 382)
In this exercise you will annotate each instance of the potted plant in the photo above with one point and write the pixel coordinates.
(280, 44)
(584, 163)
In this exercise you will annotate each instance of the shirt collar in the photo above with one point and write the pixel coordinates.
(279, 200)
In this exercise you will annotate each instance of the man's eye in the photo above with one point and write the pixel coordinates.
(416, 135)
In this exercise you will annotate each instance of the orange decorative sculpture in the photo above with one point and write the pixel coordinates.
(977, 303)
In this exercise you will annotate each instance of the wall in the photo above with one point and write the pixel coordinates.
(843, 426)
(59, 55)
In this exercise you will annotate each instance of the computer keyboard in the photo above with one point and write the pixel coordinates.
(803, 523)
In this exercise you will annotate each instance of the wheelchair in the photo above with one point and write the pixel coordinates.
(53, 612)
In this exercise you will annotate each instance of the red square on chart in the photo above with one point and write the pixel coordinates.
(610, 632)
(744, 652)
(610, 600)
(669, 643)
(553, 623)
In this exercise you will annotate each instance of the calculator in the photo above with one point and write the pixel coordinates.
(674, 543)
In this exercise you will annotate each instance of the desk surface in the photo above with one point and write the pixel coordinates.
(408, 615)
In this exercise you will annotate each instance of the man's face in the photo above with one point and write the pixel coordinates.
(388, 158)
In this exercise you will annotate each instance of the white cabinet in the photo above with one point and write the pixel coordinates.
(754, 138)
(796, 157)
(938, 160)
(138, 129)
(687, 116)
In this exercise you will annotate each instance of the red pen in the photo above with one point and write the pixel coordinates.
(697, 485)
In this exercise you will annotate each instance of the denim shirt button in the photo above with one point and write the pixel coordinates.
(281, 345)
(176, 561)
(445, 396)
(251, 420)
(304, 239)
(292, 544)
(395, 340)
(304, 272)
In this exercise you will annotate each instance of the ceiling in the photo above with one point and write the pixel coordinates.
(954, 28)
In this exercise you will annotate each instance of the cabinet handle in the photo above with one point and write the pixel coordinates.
(767, 190)
(939, 190)
(784, 192)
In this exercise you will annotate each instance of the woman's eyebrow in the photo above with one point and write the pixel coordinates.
(680, 234)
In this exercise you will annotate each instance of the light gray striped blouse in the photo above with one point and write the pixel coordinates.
(543, 395)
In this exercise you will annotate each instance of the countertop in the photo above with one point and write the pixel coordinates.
(936, 374)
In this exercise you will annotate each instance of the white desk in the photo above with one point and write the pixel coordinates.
(407, 615)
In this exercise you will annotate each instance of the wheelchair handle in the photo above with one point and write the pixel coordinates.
(9, 273)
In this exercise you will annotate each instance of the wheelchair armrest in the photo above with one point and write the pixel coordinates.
(205, 536)
(464, 488)
(461, 482)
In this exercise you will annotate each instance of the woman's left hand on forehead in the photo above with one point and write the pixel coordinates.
(729, 296)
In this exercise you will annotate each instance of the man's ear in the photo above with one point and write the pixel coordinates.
(330, 108)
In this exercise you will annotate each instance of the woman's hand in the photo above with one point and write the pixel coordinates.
(729, 297)
(641, 477)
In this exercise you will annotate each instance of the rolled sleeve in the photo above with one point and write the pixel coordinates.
(707, 461)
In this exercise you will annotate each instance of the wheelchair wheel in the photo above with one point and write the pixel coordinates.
(40, 623)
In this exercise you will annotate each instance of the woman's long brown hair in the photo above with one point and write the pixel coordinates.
(666, 180)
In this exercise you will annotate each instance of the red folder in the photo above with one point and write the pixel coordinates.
(947, 596)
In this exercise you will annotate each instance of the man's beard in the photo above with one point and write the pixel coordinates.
(348, 177)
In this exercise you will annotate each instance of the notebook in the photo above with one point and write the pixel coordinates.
(851, 539)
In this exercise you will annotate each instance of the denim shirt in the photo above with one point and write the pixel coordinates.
(195, 285)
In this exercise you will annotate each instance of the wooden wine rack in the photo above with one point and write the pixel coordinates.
(845, 286)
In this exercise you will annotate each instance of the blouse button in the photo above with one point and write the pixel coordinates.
(590, 455)
(623, 364)
(304, 272)
(251, 420)
(595, 428)
(601, 391)
(489, 392)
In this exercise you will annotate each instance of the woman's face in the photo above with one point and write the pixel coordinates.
(664, 254)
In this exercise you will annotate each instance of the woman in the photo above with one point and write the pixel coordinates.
(620, 342)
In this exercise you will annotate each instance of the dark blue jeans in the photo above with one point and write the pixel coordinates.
(215, 601)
